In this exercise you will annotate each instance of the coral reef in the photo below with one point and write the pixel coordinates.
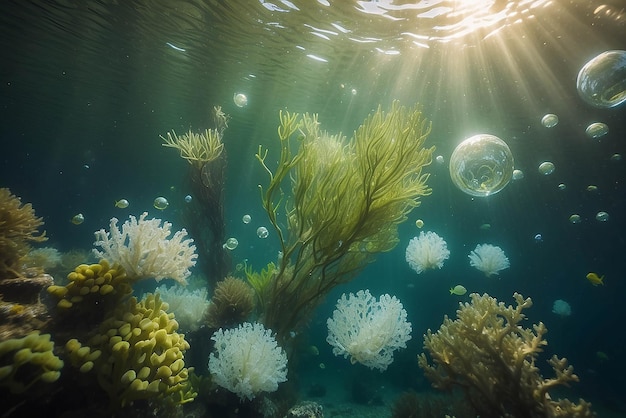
(488, 355)
(231, 304)
(21, 310)
(33, 353)
(306, 409)
(368, 331)
(45, 258)
(428, 251)
(347, 199)
(137, 354)
(189, 307)
(142, 248)
(247, 360)
(489, 259)
(93, 291)
(18, 228)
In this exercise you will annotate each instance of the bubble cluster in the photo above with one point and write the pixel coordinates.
(262, 232)
(161, 203)
(518, 174)
(481, 165)
(231, 243)
(546, 168)
(240, 99)
(602, 216)
(602, 81)
(575, 218)
(597, 130)
(550, 120)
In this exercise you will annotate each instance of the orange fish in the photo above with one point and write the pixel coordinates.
(594, 279)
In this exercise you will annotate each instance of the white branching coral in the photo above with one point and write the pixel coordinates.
(489, 259)
(247, 360)
(143, 249)
(428, 251)
(189, 306)
(367, 330)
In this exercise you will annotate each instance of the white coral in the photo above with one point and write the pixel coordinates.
(367, 330)
(189, 307)
(247, 360)
(143, 249)
(489, 259)
(428, 251)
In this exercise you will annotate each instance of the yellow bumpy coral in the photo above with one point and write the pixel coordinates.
(137, 354)
(487, 353)
(36, 353)
(92, 283)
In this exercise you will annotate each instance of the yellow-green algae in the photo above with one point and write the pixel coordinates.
(347, 199)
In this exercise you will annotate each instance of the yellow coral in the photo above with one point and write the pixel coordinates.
(18, 227)
(92, 284)
(36, 353)
(137, 354)
(491, 357)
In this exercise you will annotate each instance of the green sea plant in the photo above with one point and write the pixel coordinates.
(259, 281)
(347, 199)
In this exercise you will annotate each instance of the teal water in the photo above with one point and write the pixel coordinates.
(86, 88)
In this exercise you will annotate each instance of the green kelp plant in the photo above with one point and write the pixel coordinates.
(347, 199)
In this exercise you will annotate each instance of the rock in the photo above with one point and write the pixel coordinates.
(306, 409)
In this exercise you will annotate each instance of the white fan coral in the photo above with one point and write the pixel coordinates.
(247, 360)
(367, 330)
(489, 259)
(143, 249)
(428, 251)
(189, 307)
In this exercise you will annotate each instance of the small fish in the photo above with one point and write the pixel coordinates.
(485, 227)
(458, 290)
(595, 280)
(122, 203)
(77, 219)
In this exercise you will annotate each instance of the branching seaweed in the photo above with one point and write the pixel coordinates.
(347, 199)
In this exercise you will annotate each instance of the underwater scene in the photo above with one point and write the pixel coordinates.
(313, 208)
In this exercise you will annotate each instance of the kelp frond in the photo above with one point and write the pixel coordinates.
(347, 199)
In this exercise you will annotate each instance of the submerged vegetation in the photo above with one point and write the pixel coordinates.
(347, 199)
